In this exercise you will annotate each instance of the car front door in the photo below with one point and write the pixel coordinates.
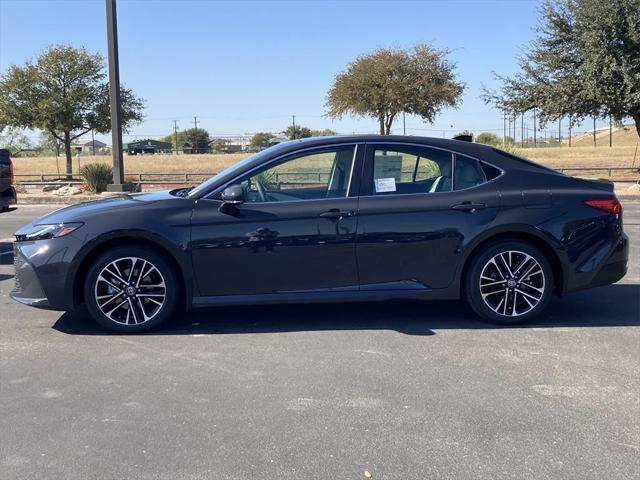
(419, 206)
(295, 231)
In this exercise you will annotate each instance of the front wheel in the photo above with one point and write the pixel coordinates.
(509, 282)
(131, 289)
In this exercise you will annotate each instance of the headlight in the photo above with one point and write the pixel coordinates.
(44, 232)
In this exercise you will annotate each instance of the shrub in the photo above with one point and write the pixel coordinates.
(97, 176)
(489, 139)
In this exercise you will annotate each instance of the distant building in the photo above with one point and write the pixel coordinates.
(90, 146)
(147, 146)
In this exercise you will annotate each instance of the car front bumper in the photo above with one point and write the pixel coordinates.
(27, 289)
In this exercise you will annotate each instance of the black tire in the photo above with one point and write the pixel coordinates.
(518, 295)
(164, 274)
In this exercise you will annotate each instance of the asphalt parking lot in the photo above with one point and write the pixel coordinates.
(390, 391)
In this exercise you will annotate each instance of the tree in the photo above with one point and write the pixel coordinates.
(298, 132)
(171, 138)
(64, 93)
(260, 139)
(327, 132)
(387, 82)
(196, 139)
(488, 139)
(14, 140)
(585, 62)
(48, 142)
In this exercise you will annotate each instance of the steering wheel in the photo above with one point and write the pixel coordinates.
(261, 192)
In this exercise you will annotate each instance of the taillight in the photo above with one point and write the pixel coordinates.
(10, 172)
(609, 205)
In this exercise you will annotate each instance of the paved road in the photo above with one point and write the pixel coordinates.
(403, 391)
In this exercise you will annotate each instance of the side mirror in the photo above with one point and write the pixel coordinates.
(233, 195)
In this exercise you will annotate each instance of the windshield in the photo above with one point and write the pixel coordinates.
(230, 171)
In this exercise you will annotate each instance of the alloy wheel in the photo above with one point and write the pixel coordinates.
(512, 283)
(130, 291)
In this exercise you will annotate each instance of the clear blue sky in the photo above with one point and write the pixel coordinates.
(245, 66)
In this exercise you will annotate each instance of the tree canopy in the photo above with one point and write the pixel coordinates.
(298, 132)
(64, 93)
(192, 138)
(14, 140)
(387, 82)
(585, 62)
(261, 139)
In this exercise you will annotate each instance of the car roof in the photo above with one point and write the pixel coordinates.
(457, 145)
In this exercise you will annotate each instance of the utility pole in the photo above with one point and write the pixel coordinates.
(535, 140)
(93, 144)
(293, 122)
(559, 131)
(118, 184)
(522, 129)
(569, 130)
(195, 134)
(175, 134)
(404, 125)
(504, 128)
(594, 130)
(610, 133)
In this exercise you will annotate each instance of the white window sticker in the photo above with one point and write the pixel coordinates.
(385, 184)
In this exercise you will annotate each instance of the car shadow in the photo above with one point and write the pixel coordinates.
(10, 209)
(611, 306)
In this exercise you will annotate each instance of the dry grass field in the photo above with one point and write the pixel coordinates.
(171, 166)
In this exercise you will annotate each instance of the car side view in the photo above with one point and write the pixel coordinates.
(332, 219)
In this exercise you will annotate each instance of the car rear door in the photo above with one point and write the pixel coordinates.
(300, 238)
(415, 217)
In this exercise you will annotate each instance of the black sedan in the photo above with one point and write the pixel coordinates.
(332, 219)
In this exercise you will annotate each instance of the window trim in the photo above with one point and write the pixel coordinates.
(370, 148)
(292, 155)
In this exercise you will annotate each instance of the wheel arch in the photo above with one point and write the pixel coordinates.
(523, 233)
(109, 241)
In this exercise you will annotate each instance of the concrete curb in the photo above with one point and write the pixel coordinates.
(56, 200)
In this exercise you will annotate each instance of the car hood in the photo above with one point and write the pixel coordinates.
(75, 213)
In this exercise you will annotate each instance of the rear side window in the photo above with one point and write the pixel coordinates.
(408, 169)
(469, 173)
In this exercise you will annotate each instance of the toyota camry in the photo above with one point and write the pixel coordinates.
(332, 219)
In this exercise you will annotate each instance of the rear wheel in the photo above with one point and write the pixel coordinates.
(131, 289)
(509, 282)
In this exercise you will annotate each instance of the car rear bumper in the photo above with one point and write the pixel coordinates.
(604, 267)
(8, 197)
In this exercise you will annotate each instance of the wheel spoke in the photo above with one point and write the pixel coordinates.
(130, 291)
(512, 283)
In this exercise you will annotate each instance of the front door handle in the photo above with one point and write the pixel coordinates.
(335, 213)
(469, 206)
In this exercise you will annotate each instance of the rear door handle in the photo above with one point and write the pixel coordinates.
(469, 206)
(335, 213)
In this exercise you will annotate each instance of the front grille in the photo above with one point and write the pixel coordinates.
(17, 264)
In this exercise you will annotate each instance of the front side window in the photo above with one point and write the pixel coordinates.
(309, 176)
(406, 169)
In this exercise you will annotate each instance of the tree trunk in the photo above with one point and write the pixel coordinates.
(635, 114)
(381, 121)
(67, 151)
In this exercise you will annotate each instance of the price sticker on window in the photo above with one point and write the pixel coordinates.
(385, 184)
